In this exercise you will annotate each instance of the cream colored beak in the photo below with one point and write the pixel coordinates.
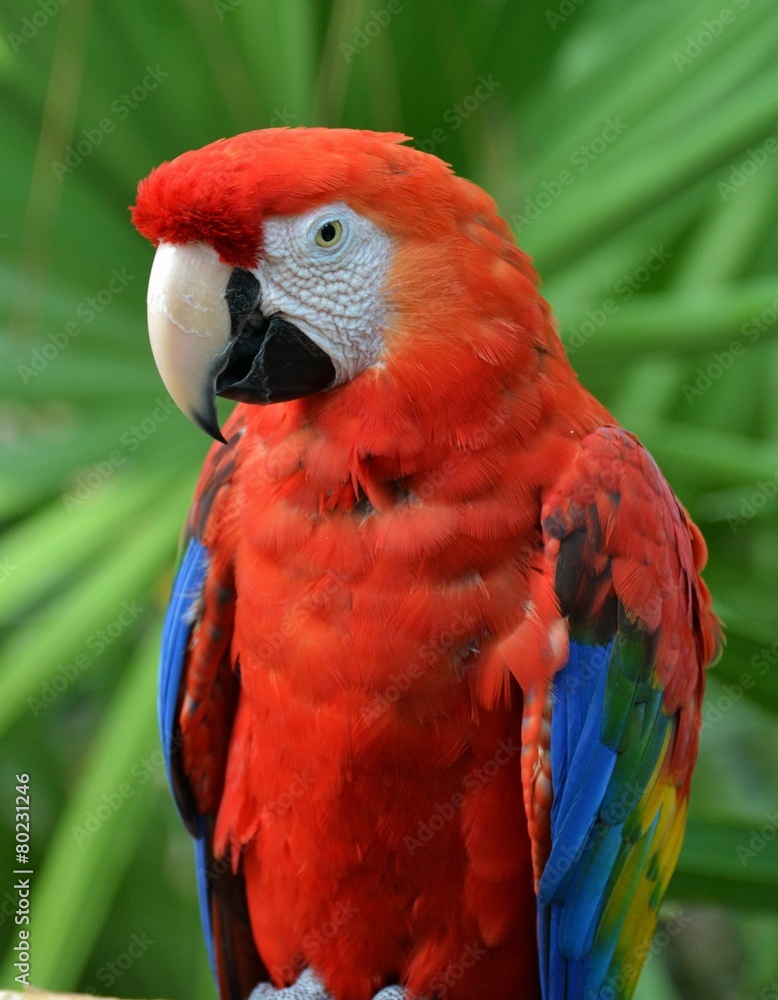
(189, 327)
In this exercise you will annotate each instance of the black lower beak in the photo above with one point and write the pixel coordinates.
(269, 360)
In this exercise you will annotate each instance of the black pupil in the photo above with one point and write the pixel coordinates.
(328, 233)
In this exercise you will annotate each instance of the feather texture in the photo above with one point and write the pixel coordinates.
(448, 628)
(626, 561)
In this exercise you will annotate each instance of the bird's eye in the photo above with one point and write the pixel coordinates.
(329, 234)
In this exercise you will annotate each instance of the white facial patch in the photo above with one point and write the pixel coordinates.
(324, 272)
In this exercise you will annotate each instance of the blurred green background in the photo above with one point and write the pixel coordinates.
(634, 148)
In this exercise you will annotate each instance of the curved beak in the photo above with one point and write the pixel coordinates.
(189, 327)
(210, 338)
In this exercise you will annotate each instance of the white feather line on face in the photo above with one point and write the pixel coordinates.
(334, 295)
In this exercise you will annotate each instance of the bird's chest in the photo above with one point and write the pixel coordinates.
(367, 604)
(360, 754)
(360, 633)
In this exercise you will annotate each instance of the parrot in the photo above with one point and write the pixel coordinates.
(433, 663)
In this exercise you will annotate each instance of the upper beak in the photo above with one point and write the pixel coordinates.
(210, 337)
(189, 327)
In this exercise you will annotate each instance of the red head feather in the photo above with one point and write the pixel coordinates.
(219, 194)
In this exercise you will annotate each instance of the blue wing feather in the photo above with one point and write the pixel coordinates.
(182, 613)
(621, 741)
(585, 766)
(184, 601)
(604, 751)
(202, 860)
(202, 604)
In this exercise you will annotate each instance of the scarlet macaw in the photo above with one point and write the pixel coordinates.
(433, 664)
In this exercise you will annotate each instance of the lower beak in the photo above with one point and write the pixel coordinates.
(210, 338)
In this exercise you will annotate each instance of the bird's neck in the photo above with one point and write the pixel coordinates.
(364, 447)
